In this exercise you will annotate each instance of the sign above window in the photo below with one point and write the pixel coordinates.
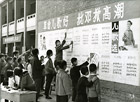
(12, 39)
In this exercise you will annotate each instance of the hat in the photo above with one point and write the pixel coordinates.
(2, 55)
(15, 52)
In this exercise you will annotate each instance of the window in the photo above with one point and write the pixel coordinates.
(32, 8)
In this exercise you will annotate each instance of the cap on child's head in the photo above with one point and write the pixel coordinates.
(1, 55)
(73, 60)
(92, 68)
(84, 70)
(15, 52)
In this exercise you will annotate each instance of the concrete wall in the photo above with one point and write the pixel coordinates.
(111, 91)
(53, 8)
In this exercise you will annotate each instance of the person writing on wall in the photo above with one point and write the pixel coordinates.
(59, 49)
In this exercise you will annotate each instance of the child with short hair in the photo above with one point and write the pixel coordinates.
(94, 90)
(83, 83)
(75, 74)
(59, 49)
(63, 83)
(49, 72)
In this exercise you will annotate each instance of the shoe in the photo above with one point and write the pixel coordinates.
(48, 97)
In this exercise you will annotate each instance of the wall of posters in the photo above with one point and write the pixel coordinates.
(112, 40)
(118, 62)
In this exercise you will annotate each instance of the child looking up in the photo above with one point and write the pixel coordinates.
(83, 83)
(75, 74)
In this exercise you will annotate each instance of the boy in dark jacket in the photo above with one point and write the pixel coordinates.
(75, 75)
(82, 84)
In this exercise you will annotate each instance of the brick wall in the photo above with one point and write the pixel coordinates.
(111, 91)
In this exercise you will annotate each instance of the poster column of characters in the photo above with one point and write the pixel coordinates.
(128, 55)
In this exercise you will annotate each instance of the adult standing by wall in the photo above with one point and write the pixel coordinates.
(49, 72)
(36, 71)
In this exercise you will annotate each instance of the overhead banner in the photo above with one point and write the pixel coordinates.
(107, 13)
(12, 39)
(113, 40)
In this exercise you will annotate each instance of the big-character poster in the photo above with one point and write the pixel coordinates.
(109, 36)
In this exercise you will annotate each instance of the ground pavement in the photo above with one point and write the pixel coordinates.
(43, 99)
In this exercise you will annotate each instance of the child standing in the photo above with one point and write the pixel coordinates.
(94, 90)
(59, 49)
(83, 83)
(75, 75)
(63, 83)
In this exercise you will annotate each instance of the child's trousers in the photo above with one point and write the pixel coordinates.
(81, 98)
(93, 99)
(62, 98)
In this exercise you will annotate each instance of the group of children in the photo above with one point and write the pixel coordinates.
(14, 70)
(85, 87)
(82, 82)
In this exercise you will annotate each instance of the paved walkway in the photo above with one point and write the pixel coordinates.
(43, 99)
